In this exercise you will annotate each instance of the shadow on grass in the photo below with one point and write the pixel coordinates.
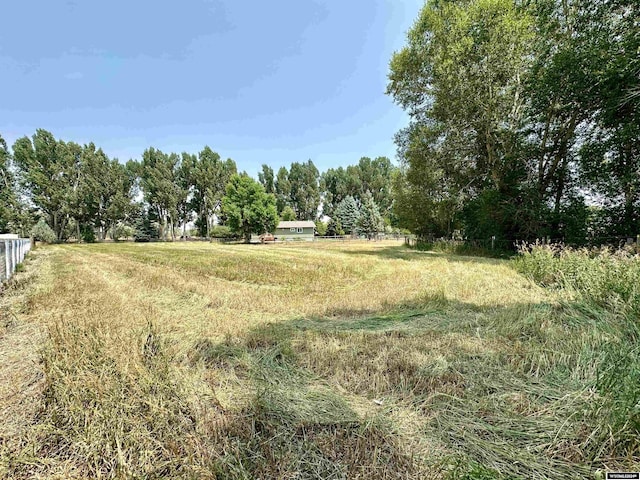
(402, 252)
(457, 366)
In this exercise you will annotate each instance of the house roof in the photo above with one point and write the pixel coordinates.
(297, 224)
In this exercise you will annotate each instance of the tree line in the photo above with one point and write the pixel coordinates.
(524, 123)
(62, 190)
(524, 119)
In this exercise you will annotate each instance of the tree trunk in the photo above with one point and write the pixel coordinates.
(173, 231)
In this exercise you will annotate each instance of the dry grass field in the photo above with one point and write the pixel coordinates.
(336, 360)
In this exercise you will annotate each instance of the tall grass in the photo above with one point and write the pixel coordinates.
(358, 360)
(605, 285)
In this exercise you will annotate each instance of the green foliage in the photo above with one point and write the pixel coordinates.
(348, 213)
(465, 469)
(369, 222)
(321, 228)
(248, 207)
(267, 179)
(304, 190)
(283, 189)
(209, 178)
(105, 191)
(369, 175)
(43, 232)
(8, 200)
(222, 231)
(145, 226)
(87, 234)
(607, 280)
(50, 171)
(288, 214)
(122, 230)
(159, 184)
(467, 248)
(497, 91)
(334, 227)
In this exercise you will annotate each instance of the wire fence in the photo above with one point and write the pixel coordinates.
(12, 253)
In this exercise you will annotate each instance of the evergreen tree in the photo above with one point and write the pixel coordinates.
(347, 212)
(334, 227)
(370, 221)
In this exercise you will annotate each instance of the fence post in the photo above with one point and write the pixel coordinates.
(493, 242)
(14, 249)
(9, 259)
(3, 261)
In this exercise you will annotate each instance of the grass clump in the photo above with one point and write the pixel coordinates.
(603, 287)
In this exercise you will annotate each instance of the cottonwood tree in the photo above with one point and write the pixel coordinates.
(161, 190)
(283, 189)
(106, 189)
(288, 214)
(249, 209)
(375, 177)
(335, 186)
(305, 190)
(461, 79)
(210, 177)
(609, 36)
(267, 179)
(370, 175)
(185, 182)
(50, 172)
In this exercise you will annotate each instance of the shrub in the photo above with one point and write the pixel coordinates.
(222, 231)
(321, 228)
(122, 231)
(43, 232)
(88, 234)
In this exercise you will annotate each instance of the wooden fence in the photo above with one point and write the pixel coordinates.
(12, 253)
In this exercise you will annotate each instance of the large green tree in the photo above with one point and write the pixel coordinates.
(336, 184)
(370, 221)
(305, 190)
(608, 33)
(210, 177)
(267, 179)
(160, 186)
(373, 176)
(106, 188)
(461, 79)
(50, 172)
(249, 209)
(347, 213)
(283, 189)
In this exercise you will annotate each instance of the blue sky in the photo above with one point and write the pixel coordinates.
(259, 82)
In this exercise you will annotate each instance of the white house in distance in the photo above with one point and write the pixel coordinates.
(295, 230)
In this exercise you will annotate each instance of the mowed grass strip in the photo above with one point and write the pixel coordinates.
(354, 360)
